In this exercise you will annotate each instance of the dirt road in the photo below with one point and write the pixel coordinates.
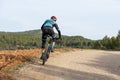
(75, 65)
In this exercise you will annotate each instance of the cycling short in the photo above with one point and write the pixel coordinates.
(47, 31)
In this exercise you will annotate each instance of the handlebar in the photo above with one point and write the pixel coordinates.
(56, 39)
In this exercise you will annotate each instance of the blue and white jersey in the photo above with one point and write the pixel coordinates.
(49, 23)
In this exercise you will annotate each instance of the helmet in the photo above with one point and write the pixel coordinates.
(54, 18)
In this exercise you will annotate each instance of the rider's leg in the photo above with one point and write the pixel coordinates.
(42, 52)
(53, 35)
(52, 47)
(53, 43)
(44, 37)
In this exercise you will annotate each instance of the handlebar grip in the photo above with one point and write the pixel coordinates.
(58, 38)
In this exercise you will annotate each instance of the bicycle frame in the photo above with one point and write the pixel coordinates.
(48, 48)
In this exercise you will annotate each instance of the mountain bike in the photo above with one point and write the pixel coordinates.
(48, 50)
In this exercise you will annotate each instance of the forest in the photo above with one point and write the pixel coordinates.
(108, 43)
(32, 39)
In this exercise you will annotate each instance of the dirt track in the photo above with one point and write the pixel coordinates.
(75, 65)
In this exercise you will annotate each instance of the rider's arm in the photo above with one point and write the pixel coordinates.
(57, 28)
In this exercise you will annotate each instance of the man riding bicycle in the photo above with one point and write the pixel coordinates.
(47, 30)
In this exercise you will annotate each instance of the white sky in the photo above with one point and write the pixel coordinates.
(92, 19)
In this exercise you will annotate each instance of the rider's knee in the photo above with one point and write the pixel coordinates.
(43, 45)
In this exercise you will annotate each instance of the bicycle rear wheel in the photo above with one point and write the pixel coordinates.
(47, 53)
(44, 59)
(46, 56)
(43, 63)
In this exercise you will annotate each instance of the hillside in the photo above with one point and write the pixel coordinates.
(38, 31)
(32, 39)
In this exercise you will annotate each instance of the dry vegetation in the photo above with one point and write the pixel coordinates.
(13, 57)
(11, 60)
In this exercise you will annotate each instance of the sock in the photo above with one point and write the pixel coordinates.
(52, 47)
(43, 54)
